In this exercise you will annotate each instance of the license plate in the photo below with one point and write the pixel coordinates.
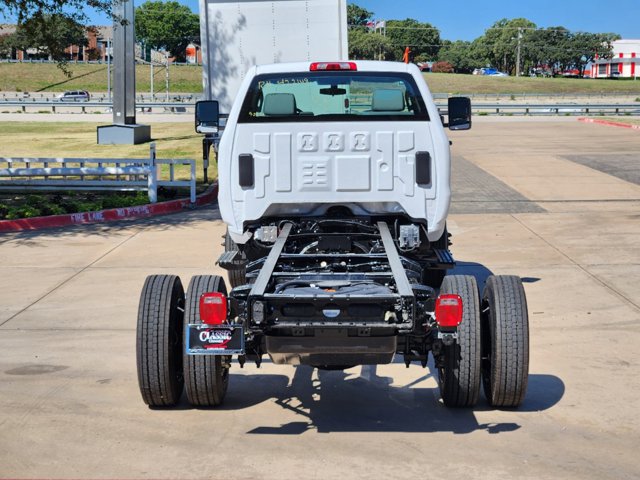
(215, 339)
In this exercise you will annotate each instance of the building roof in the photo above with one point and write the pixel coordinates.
(626, 47)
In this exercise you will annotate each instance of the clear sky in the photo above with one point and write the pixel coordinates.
(467, 19)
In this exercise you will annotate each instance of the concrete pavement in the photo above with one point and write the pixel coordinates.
(525, 203)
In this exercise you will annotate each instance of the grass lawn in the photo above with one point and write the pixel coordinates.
(45, 77)
(188, 79)
(78, 140)
(480, 84)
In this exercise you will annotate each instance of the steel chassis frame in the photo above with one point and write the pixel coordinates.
(278, 266)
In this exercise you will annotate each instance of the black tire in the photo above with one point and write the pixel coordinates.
(159, 340)
(236, 277)
(459, 378)
(206, 376)
(431, 276)
(505, 341)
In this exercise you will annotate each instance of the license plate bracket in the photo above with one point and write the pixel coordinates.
(204, 339)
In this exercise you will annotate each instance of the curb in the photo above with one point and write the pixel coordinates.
(111, 215)
(609, 123)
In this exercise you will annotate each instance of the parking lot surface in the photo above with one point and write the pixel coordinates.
(556, 202)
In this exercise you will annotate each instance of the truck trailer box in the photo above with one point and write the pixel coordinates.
(237, 35)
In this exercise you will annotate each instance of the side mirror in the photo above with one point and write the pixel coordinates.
(207, 116)
(459, 113)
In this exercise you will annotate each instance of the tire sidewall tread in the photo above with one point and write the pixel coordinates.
(505, 341)
(159, 340)
(206, 379)
(460, 379)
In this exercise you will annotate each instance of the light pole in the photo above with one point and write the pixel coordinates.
(125, 130)
(518, 54)
(166, 78)
(109, 69)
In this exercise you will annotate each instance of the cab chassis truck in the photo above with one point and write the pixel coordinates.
(334, 185)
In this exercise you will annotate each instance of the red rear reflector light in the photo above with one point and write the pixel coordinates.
(323, 66)
(213, 308)
(449, 310)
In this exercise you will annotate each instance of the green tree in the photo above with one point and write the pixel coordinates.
(50, 34)
(167, 25)
(422, 38)
(549, 47)
(357, 16)
(364, 45)
(460, 54)
(500, 42)
(585, 46)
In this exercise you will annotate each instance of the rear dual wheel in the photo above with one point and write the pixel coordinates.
(492, 346)
(159, 336)
(206, 376)
(164, 369)
(505, 341)
(459, 375)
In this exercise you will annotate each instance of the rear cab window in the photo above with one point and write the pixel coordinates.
(333, 97)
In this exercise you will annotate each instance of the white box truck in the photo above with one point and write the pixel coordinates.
(236, 35)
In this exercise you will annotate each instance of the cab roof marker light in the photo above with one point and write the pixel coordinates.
(325, 66)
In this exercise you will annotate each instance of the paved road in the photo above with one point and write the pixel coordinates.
(69, 400)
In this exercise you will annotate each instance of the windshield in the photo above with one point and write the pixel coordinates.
(333, 96)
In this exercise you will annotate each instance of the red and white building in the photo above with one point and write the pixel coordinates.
(625, 62)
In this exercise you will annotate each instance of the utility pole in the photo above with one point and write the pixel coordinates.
(518, 55)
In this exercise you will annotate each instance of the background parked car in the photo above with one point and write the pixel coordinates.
(74, 96)
(489, 71)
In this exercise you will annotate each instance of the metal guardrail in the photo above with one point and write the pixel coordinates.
(556, 108)
(533, 96)
(478, 108)
(174, 107)
(122, 174)
(29, 98)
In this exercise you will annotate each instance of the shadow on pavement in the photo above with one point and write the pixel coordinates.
(481, 273)
(338, 401)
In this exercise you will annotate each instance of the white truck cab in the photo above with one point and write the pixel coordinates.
(303, 137)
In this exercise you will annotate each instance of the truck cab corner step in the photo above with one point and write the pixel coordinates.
(444, 258)
(231, 260)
